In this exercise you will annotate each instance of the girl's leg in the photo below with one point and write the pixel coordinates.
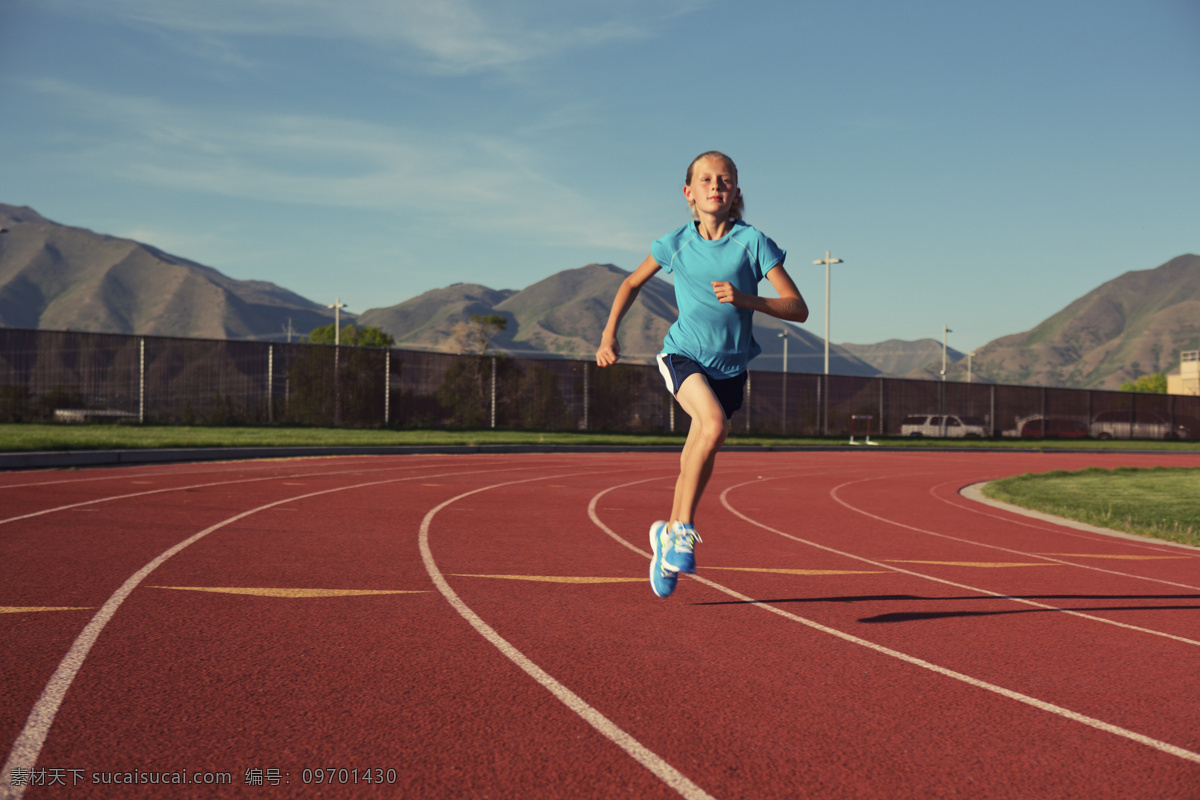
(705, 437)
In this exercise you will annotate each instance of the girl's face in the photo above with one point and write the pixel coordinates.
(713, 188)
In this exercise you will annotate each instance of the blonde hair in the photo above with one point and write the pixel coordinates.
(738, 209)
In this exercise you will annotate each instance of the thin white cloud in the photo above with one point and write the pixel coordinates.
(468, 181)
(448, 36)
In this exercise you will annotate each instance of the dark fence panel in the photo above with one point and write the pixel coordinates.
(57, 375)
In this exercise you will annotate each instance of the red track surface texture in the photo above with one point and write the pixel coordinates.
(482, 626)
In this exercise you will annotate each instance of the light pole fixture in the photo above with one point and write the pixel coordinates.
(784, 336)
(970, 355)
(337, 321)
(945, 330)
(827, 261)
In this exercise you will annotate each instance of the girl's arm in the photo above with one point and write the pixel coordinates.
(789, 305)
(610, 349)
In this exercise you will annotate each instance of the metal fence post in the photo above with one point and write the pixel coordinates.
(387, 386)
(586, 396)
(822, 411)
(942, 406)
(1042, 425)
(748, 399)
(493, 391)
(271, 383)
(141, 381)
(992, 411)
(882, 419)
(783, 415)
(337, 386)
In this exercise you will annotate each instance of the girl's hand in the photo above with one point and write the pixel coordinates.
(726, 293)
(608, 353)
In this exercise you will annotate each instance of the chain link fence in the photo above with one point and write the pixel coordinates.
(48, 376)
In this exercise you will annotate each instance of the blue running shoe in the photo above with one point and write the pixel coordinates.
(682, 554)
(662, 577)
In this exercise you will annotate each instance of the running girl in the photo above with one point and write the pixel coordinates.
(718, 261)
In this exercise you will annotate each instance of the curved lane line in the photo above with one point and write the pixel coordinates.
(1025, 517)
(28, 744)
(944, 581)
(110, 498)
(603, 725)
(1041, 705)
(834, 494)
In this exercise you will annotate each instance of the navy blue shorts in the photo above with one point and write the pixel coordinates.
(729, 391)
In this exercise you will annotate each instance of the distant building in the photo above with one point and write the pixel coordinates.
(1186, 379)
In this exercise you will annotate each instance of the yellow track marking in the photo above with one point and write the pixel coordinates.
(267, 592)
(804, 571)
(28, 609)
(555, 578)
(993, 564)
(1106, 555)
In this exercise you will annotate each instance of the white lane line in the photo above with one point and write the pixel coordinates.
(1042, 705)
(165, 489)
(956, 585)
(28, 744)
(834, 494)
(110, 498)
(602, 724)
(182, 471)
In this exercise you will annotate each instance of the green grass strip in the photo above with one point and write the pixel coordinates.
(34, 437)
(1159, 502)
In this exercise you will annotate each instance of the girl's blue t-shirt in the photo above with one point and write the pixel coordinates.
(718, 336)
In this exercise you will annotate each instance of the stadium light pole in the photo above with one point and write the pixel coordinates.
(337, 321)
(827, 261)
(945, 330)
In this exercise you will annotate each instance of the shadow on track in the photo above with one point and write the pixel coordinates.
(917, 616)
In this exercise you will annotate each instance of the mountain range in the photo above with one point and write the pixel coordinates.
(65, 278)
(565, 315)
(59, 277)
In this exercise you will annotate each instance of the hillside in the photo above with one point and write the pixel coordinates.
(427, 321)
(62, 278)
(59, 277)
(1133, 325)
(565, 315)
(896, 358)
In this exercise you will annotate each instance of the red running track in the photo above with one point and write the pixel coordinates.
(482, 626)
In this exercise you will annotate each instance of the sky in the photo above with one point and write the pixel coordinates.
(975, 165)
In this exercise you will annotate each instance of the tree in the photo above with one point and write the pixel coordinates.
(1147, 384)
(351, 336)
(475, 336)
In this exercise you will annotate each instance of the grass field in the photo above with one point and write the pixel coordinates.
(1161, 502)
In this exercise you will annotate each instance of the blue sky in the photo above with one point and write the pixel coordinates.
(979, 165)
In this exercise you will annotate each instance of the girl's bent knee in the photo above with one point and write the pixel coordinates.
(714, 433)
